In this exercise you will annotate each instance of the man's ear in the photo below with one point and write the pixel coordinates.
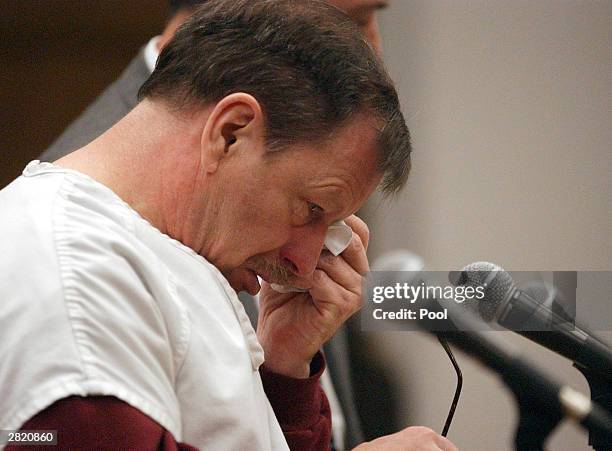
(235, 122)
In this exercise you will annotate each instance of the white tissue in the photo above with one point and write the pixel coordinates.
(338, 237)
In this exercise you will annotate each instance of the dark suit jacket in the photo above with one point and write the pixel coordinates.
(114, 103)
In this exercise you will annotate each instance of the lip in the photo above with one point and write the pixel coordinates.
(252, 286)
(292, 283)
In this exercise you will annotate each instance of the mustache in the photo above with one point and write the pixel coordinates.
(274, 270)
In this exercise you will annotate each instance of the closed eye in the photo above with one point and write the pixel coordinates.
(315, 211)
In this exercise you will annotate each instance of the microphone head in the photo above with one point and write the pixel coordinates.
(395, 266)
(551, 303)
(542, 292)
(497, 285)
(399, 260)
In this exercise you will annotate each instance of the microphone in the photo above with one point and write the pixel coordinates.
(543, 402)
(515, 309)
(536, 393)
(601, 389)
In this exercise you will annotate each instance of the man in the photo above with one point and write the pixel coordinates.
(120, 98)
(131, 335)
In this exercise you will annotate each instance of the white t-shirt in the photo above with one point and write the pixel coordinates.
(96, 301)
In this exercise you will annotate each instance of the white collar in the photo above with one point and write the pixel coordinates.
(151, 53)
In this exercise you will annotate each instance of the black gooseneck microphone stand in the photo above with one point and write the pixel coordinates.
(601, 393)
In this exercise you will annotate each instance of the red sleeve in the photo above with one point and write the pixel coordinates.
(105, 422)
(101, 422)
(301, 407)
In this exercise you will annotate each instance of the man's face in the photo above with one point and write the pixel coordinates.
(274, 208)
(363, 12)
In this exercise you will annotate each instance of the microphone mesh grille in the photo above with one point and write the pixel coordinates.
(497, 283)
(541, 292)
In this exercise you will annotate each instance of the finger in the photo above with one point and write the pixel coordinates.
(355, 255)
(445, 444)
(272, 299)
(360, 228)
(329, 295)
(338, 269)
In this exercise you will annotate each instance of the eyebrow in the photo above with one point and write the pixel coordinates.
(333, 197)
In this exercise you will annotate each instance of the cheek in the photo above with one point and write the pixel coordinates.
(264, 226)
(264, 213)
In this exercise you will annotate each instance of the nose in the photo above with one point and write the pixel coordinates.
(302, 252)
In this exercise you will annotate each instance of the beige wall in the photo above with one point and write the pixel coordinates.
(509, 107)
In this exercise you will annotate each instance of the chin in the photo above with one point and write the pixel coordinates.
(243, 279)
(234, 279)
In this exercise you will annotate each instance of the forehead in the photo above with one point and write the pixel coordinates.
(345, 164)
(357, 139)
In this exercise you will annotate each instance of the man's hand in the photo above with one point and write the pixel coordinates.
(292, 327)
(416, 438)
